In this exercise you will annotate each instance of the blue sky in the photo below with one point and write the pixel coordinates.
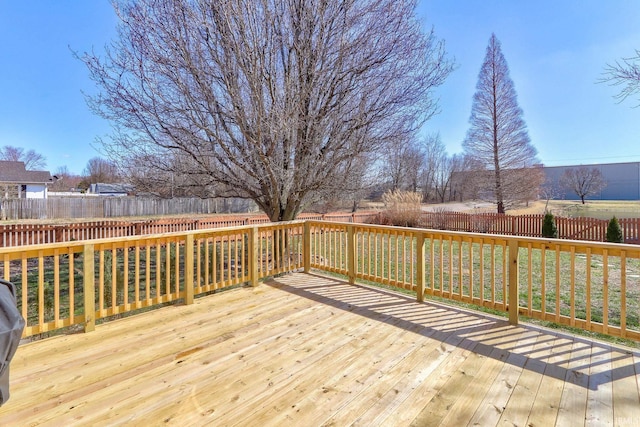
(556, 51)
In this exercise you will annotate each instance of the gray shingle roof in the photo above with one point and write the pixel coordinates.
(103, 188)
(15, 172)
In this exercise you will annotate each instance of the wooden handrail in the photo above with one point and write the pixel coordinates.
(590, 285)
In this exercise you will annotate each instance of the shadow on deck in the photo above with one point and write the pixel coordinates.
(452, 324)
(305, 349)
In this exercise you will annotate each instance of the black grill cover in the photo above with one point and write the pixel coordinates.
(11, 327)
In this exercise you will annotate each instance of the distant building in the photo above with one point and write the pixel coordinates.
(622, 179)
(103, 189)
(16, 182)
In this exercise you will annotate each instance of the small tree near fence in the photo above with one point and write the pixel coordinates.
(614, 233)
(549, 228)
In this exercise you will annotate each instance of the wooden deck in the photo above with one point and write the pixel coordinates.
(307, 350)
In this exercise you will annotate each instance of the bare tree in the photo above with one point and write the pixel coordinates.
(549, 190)
(466, 173)
(414, 164)
(583, 181)
(402, 163)
(31, 159)
(64, 180)
(498, 135)
(101, 170)
(434, 155)
(624, 73)
(443, 177)
(271, 99)
(358, 185)
(523, 184)
(174, 179)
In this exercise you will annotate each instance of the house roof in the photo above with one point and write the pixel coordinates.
(103, 188)
(16, 173)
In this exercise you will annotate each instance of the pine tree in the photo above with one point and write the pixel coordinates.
(549, 226)
(614, 233)
(498, 135)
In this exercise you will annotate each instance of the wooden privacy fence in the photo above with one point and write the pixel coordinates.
(110, 207)
(588, 285)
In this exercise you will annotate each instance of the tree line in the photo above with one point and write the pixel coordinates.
(97, 170)
(295, 103)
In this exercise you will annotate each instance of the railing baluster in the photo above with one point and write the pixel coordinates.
(89, 287)
(513, 281)
(476, 264)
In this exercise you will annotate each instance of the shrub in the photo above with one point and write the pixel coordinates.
(403, 208)
(614, 233)
(549, 228)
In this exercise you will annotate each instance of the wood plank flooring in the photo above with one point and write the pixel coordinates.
(307, 350)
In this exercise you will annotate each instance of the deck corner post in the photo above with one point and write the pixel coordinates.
(420, 267)
(513, 282)
(188, 269)
(351, 253)
(89, 287)
(254, 255)
(306, 247)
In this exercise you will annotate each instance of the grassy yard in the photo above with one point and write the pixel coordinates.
(550, 281)
(601, 209)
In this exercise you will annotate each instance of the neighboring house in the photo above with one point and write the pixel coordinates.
(16, 182)
(103, 189)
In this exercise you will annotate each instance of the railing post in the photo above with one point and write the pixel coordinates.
(420, 267)
(306, 247)
(513, 282)
(254, 255)
(351, 253)
(89, 288)
(188, 269)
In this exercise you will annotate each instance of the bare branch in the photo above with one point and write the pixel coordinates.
(268, 99)
(583, 181)
(31, 159)
(498, 136)
(624, 74)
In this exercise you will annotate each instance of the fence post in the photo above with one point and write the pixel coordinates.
(89, 288)
(188, 269)
(254, 255)
(420, 267)
(351, 254)
(58, 233)
(306, 247)
(513, 282)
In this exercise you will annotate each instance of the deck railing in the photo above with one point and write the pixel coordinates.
(65, 284)
(587, 285)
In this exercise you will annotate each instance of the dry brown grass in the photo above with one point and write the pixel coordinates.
(403, 208)
(603, 209)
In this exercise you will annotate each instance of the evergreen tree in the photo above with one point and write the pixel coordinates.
(614, 233)
(549, 228)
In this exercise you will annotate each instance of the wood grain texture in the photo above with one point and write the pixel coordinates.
(309, 350)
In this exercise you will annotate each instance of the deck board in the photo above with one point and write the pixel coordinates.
(310, 350)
